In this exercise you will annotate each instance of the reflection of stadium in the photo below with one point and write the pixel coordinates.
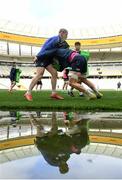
(31, 150)
(17, 142)
(22, 43)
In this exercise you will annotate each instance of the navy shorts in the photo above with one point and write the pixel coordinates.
(66, 79)
(13, 78)
(39, 83)
(43, 62)
(79, 64)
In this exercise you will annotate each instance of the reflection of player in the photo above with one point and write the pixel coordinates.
(39, 83)
(48, 143)
(15, 116)
(70, 117)
(79, 134)
(56, 146)
(38, 113)
(77, 129)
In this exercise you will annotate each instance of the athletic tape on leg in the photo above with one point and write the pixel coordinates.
(74, 76)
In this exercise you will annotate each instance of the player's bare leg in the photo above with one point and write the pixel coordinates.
(73, 82)
(92, 86)
(13, 83)
(53, 73)
(39, 74)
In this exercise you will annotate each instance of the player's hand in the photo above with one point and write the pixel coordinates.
(35, 59)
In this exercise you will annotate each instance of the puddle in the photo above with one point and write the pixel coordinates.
(60, 145)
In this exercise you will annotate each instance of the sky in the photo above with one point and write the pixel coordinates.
(35, 167)
(63, 13)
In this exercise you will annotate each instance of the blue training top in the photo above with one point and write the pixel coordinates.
(63, 53)
(50, 46)
(13, 72)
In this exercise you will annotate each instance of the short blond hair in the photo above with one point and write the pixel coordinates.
(63, 30)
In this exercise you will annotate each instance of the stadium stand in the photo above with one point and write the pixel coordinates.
(21, 44)
(106, 56)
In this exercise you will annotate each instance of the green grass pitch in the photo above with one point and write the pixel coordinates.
(111, 101)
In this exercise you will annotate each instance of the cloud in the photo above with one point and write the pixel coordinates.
(63, 13)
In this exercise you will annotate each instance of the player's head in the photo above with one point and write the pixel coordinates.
(14, 64)
(77, 46)
(63, 167)
(75, 149)
(63, 33)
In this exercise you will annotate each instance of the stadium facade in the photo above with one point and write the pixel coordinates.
(19, 43)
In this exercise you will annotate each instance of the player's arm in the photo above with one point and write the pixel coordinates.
(35, 59)
(63, 45)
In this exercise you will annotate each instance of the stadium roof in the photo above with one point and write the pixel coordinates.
(41, 31)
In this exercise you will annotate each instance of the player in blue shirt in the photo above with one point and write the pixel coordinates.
(43, 61)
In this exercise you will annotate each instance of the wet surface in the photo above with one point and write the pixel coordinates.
(60, 145)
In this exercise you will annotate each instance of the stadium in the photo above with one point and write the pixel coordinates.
(76, 137)
(21, 45)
